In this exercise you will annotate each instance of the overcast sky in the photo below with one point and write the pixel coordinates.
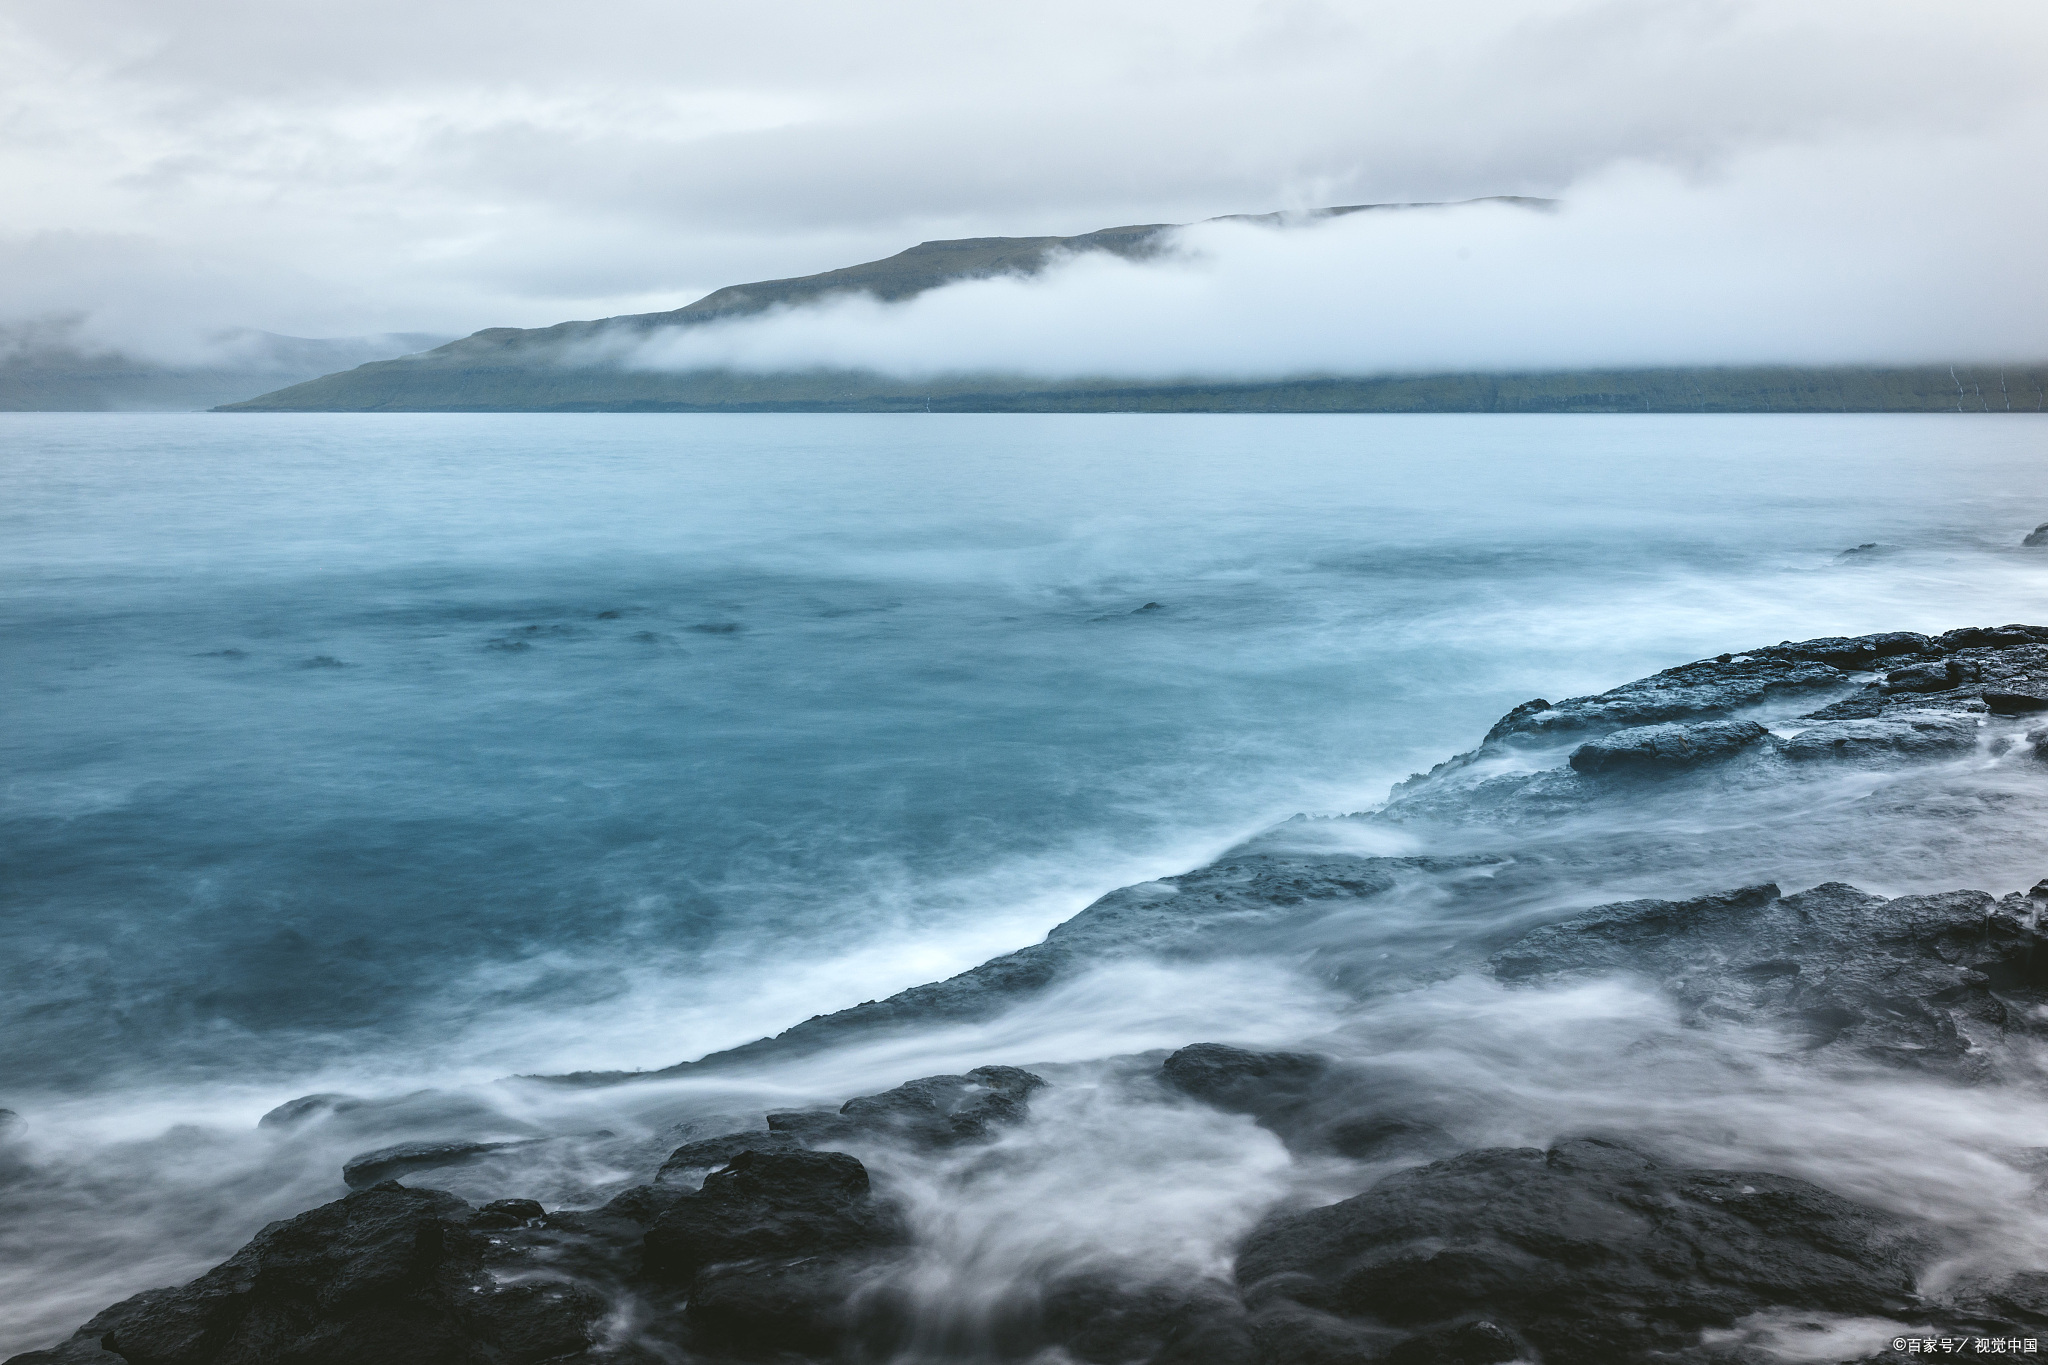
(442, 165)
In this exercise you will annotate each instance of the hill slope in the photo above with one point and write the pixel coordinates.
(510, 369)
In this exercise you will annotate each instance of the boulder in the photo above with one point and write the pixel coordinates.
(933, 1111)
(770, 1206)
(388, 1274)
(1594, 1252)
(691, 1161)
(1666, 748)
(1937, 676)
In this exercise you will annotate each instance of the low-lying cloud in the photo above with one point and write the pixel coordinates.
(1880, 252)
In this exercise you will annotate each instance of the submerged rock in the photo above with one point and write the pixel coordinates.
(1309, 1102)
(1594, 1252)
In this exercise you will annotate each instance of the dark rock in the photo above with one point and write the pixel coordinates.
(11, 1124)
(644, 1204)
(1921, 981)
(389, 1274)
(1927, 734)
(1100, 1318)
(370, 1168)
(935, 1111)
(79, 1350)
(770, 1206)
(1860, 706)
(507, 1213)
(1469, 1343)
(1308, 1101)
(2014, 703)
(708, 1154)
(608, 616)
(763, 1307)
(717, 627)
(1928, 677)
(294, 1112)
(2038, 536)
(1663, 748)
(1149, 606)
(1594, 1252)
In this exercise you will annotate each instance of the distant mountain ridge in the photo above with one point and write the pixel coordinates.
(514, 369)
(48, 366)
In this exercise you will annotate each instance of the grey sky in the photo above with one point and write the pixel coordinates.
(442, 165)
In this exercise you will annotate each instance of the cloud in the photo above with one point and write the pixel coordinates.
(318, 168)
(1881, 252)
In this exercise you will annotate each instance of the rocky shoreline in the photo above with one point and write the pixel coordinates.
(784, 1239)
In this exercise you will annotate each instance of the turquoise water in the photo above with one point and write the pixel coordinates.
(407, 751)
(375, 741)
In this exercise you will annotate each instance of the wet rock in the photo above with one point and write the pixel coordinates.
(305, 1108)
(1858, 706)
(1928, 677)
(2014, 703)
(370, 1168)
(770, 1206)
(1108, 1321)
(1594, 1252)
(11, 1124)
(1664, 748)
(1308, 1101)
(1913, 735)
(507, 1213)
(1198, 914)
(691, 1161)
(1927, 982)
(388, 1274)
(2037, 537)
(934, 1111)
(1469, 1343)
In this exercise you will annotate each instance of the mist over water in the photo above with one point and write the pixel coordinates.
(402, 753)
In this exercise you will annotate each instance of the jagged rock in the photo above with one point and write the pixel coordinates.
(1594, 1252)
(770, 1206)
(389, 1274)
(1921, 981)
(1308, 1101)
(934, 1111)
(1910, 735)
(1655, 748)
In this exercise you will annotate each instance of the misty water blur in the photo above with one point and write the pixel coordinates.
(391, 754)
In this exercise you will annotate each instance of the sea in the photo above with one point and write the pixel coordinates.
(382, 754)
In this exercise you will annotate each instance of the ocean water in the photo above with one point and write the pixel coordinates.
(384, 754)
